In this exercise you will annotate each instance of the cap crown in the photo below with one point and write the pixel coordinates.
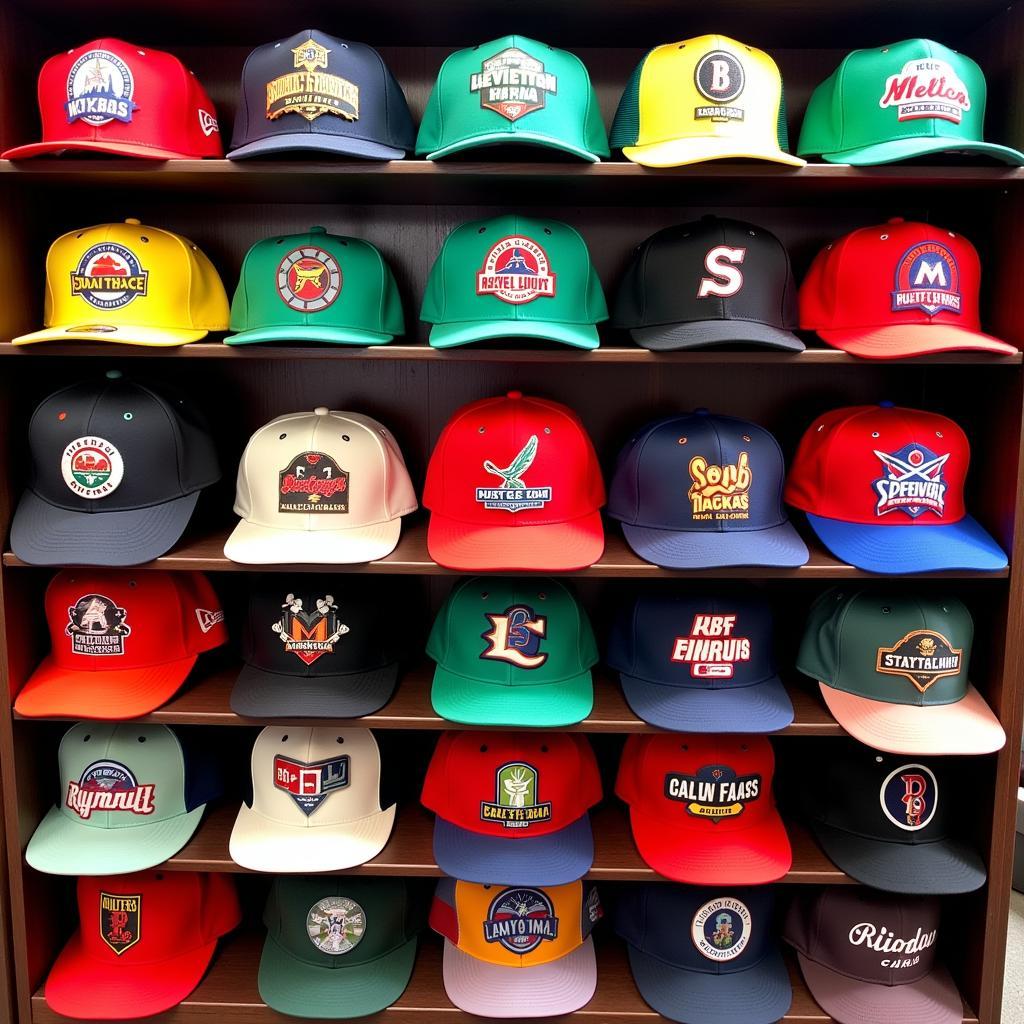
(512, 785)
(513, 87)
(322, 470)
(890, 648)
(881, 465)
(514, 461)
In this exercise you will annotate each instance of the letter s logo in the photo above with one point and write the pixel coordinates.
(727, 279)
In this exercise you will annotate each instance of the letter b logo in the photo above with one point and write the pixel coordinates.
(719, 77)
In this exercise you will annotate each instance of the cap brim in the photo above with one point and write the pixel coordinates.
(966, 727)
(898, 342)
(759, 708)
(554, 859)
(465, 332)
(306, 333)
(115, 334)
(695, 150)
(250, 544)
(750, 856)
(62, 846)
(779, 546)
(548, 547)
(932, 1000)
(260, 844)
(544, 990)
(907, 149)
(335, 145)
(709, 333)
(58, 692)
(761, 994)
(511, 138)
(902, 549)
(57, 147)
(301, 989)
(43, 534)
(261, 694)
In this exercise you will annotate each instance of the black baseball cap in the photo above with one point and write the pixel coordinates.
(697, 953)
(315, 647)
(714, 281)
(889, 820)
(315, 92)
(116, 471)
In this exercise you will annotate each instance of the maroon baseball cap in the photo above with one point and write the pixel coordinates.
(871, 956)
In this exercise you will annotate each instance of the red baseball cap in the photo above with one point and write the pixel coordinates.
(109, 96)
(701, 807)
(144, 942)
(898, 289)
(121, 643)
(883, 487)
(514, 484)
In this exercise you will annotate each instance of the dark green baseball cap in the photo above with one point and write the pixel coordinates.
(512, 90)
(890, 103)
(337, 946)
(893, 671)
(512, 653)
(514, 277)
(315, 287)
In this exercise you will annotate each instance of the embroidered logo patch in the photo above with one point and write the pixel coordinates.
(927, 278)
(516, 270)
(725, 279)
(310, 90)
(926, 88)
(515, 637)
(719, 493)
(711, 649)
(92, 467)
(516, 803)
(309, 634)
(313, 482)
(309, 785)
(335, 925)
(208, 124)
(97, 626)
(715, 792)
(513, 495)
(924, 657)
(109, 786)
(100, 89)
(109, 276)
(520, 920)
(308, 279)
(719, 77)
(513, 84)
(720, 930)
(207, 619)
(909, 797)
(912, 482)
(120, 920)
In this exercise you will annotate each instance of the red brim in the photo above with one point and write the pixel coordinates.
(112, 148)
(898, 342)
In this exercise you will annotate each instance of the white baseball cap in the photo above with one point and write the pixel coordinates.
(315, 802)
(320, 486)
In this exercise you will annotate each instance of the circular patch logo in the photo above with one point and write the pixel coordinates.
(308, 279)
(516, 270)
(520, 920)
(721, 929)
(92, 467)
(110, 776)
(927, 278)
(909, 797)
(100, 88)
(719, 77)
(335, 925)
(109, 276)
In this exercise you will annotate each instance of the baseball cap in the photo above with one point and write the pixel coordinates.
(109, 96)
(131, 796)
(512, 90)
(144, 942)
(512, 653)
(883, 488)
(130, 284)
(517, 951)
(891, 821)
(713, 281)
(320, 486)
(701, 807)
(909, 99)
(514, 484)
(513, 805)
(893, 671)
(699, 664)
(116, 471)
(315, 287)
(315, 802)
(731, 513)
(338, 947)
(315, 647)
(869, 955)
(322, 94)
(513, 276)
(703, 99)
(902, 288)
(732, 957)
(121, 643)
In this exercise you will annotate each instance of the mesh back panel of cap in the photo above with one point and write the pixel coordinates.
(626, 125)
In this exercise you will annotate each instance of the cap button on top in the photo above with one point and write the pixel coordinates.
(318, 229)
(885, 404)
(114, 374)
(132, 220)
(702, 411)
(514, 394)
(321, 410)
(896, 220)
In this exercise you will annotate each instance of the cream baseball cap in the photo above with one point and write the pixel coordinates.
(317, 487)
(315, 802)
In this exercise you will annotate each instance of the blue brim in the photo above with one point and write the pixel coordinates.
(903, 549)
(554, 859)
(762, 707)
(778, 546)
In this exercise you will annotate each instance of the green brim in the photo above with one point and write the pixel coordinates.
(308, 332)
(466, 332)
(301, 989)
(907, 149)
(506, 138)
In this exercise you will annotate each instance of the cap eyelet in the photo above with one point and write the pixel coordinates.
(480, 231)
(87, 737)
(143, 238)
(483, 748)
(681, 440)
(746, 437)
(141, 739)
(886, 610)
(542, 596)
(345, 437)
(481, 430)
(543, 748)
(284, 738)
(133, 583)
(62, 416)
(684, 747)
(281, 437)
(128, 417)
(547, 231)
(874, 433)
(884, 238)
(339, 739)
(878, 759)
(938, 433)
(547, 430)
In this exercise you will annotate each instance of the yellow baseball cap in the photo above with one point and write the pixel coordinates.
(132, 284)
(708, 98)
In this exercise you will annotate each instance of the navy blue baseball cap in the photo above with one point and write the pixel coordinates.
(694, 951)
(699, 491)
(316, 92)
(699, 664)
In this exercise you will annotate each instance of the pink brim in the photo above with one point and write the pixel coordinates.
(899, 342)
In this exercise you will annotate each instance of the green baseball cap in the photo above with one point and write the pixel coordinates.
(512, 653)
(896, 102)
(337, 946)
(513, 89)
(514, 276)
(893, 672)
(315, 287)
